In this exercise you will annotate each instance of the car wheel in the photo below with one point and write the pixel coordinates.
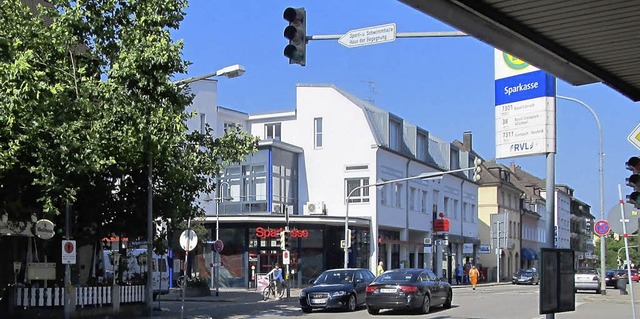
(306, 309)
(447, 303)
(351, 304)
(425, 305)
(373, 311)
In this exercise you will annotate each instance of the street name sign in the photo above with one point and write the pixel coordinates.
(634, 137)
(369, 36)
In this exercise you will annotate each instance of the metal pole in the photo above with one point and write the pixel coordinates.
(216, 265)
(67, 269)
(551, 203)
(603, 287)
(626, 246)
(186, 263)
(149, 291)
(436, 34)
(498, 251)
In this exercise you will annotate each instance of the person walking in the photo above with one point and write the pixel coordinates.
(458, 275)
(380, 268)
(473, 276)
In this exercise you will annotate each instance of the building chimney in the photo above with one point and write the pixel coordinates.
(513, 167)
(467, 141)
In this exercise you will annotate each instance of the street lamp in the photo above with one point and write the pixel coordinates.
(424, 176)
(230, 72)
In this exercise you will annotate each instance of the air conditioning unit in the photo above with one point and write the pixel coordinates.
(314, 208)
(277, 208)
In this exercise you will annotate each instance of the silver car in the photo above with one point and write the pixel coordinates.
(587, 279)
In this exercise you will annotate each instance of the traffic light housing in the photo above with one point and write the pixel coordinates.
(296, 33)
(633, 164)
(349, 239)
(477, 168)
(285, 240)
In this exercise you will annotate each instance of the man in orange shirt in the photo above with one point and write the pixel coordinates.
(473, 276)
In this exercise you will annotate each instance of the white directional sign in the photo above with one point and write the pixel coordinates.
(634, 137)
(368, 36)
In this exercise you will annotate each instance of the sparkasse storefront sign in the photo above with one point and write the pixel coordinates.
(524, 108)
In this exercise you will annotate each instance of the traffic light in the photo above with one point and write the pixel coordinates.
(349, 240)
(296, 33)
(284, 240)
(477, 169)
(287, 244)
(633, 164)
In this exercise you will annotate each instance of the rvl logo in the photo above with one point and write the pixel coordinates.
(520, 147)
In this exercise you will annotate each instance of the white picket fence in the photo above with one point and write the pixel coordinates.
(85, 296)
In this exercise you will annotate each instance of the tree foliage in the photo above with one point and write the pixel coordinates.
(85, 96)
(615, 249)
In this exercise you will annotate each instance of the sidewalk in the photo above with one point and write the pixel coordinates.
(226, 295)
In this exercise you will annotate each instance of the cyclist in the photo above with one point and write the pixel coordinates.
(275, 275)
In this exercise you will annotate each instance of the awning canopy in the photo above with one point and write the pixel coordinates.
(528, 254)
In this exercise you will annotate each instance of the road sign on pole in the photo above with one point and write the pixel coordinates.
(188, 240)
(601, 227)
(634, 137)
(368, 36)
(69, 252)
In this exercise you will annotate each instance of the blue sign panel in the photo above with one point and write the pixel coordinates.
(524, 87)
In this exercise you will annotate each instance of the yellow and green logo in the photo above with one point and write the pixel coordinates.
(514, 62)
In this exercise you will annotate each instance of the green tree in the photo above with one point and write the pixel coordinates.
(85, 96)
(615, 249)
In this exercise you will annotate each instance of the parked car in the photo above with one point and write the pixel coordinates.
(408, 289)
(634, 274)
(337, 288)
(586, 279)
(526, 276)
(611, 278)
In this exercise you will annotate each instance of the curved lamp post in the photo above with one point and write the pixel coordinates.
(230, 72)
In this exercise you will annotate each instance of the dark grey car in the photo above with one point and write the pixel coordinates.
(337, 288)
(408, 289)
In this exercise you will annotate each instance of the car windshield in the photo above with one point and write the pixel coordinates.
(527, 272)
(397, 277)
(586, 271)
(335, 277)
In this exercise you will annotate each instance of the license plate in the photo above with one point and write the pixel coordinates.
(323, 300)
(388, 291)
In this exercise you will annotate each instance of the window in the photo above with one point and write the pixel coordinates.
(203, 121)
(318, 132)
(230, 126)
(395, 134)
(383, 194)
(272, 131)
(412, 198)
(422, 147)
(423, 202)
(455, 158)
(398, 194)
(360, 195)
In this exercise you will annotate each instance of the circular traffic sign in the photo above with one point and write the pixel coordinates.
(68, 247)
(188, 240)
(601, 227)
(218, 245)
(614, 217)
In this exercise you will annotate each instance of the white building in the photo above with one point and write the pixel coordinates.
(308, 162)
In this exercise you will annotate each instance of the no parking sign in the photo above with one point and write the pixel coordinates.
(601, 227)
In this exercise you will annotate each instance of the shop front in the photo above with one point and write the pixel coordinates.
(253, 248)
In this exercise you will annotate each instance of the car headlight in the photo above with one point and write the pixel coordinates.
(339, 293)
(303, 294)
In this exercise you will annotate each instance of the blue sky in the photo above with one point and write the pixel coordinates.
(444, 85)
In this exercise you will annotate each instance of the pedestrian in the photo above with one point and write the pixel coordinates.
(458, 275)
(473, 276)
(380, 269)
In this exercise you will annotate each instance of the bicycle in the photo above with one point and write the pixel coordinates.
(273, 290)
